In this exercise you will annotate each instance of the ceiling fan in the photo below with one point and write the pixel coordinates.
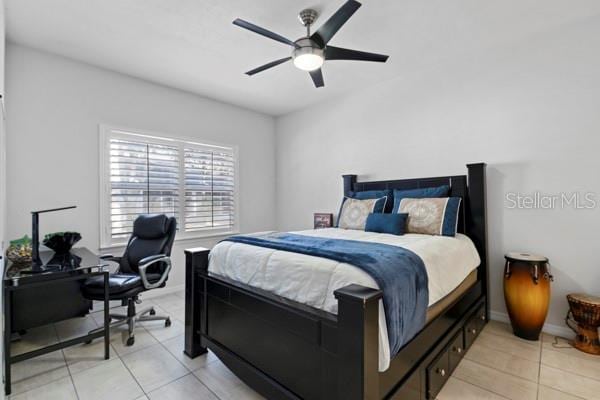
(310, 51)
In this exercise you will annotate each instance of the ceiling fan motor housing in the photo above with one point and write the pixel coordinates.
(308, 55)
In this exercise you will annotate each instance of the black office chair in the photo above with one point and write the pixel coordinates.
(145, 265)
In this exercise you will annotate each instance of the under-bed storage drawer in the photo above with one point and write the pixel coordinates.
(440, 369)
(456, 351)
(474, 326)
(438, 373)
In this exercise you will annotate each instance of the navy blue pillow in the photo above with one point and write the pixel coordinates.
(450, 224)
(394, 224)
(423, 193)
(375, 194)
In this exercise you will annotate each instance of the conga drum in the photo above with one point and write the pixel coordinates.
(585, 311)
(527, 293)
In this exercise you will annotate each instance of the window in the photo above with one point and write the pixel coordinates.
(141, 173)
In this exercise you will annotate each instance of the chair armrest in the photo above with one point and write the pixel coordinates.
(110, 257)
(148, 261)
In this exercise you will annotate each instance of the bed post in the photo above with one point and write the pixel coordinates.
(349, 181)
(196, 261)
(476, 223)
(358, 342)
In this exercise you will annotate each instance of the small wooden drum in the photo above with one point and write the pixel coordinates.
(527, 293)
(585, 313)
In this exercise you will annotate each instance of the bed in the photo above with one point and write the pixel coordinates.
(326, 338)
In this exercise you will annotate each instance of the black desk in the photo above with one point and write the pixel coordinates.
(35, 296)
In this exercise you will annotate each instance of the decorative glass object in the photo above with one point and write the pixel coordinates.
(61, 242)
(19, 251)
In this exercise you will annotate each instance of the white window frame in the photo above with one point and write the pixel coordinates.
(106, 132)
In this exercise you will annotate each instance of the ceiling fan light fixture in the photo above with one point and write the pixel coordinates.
(308, 57)
(308, 61)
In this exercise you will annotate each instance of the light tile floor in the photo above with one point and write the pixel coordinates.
(498, 366)
(153, 368)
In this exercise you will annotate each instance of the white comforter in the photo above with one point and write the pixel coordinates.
(312, 280)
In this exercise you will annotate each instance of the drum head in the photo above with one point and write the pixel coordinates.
(585, 298)
(526, 257)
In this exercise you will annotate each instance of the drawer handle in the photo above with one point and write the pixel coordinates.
(457, 349)
(473, 331)
(482, 317)
(441, 372)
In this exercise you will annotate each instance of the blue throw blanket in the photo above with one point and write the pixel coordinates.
(399, 272)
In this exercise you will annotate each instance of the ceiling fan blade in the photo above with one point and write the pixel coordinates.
(267, 66)
(317, 77)
(262, 31)
(338, 53)
(335, 22)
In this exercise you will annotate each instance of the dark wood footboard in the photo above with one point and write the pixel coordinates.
(287, 350)
(284, 349)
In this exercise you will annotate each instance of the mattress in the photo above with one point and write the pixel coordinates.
(436, 309)
(312, 280)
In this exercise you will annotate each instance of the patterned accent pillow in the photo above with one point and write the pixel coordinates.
(421, 193)
(354, 212)
(432, 216)
(376, 194)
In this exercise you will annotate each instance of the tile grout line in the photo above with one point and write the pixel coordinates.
(57, 379)
(159, 343)
(167, 383)
(133, 376)
(185, 366)
(74, 387)
(579, 358)
(66, 363)
(540, 363)
(563, 392)
(206, 386)
(570, 372)
(480, 387)
(190, 372)
(119, 357)
(37, 387)
(499, 370)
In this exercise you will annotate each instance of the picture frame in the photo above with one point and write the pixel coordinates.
(323, 220)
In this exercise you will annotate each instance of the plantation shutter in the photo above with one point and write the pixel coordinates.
(144, 179)
(209, 188)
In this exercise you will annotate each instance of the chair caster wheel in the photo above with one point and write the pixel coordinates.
(153, 312)
(168, 322)
(130, 341)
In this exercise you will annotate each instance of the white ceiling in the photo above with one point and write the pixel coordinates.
(192, 44)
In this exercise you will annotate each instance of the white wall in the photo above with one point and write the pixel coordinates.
(531, 111)
(2, 142)
(54, 106)
(2, 165)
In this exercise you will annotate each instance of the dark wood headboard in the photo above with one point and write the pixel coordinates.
(472, 214)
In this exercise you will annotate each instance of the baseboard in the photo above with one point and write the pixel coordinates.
(551, 329)
(150, 294)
